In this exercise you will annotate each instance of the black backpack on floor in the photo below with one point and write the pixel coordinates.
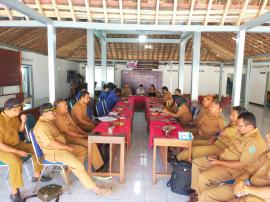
(180, 181)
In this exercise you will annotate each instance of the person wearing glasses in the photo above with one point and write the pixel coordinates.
(251, 186)
(12, 149)
(210, 171)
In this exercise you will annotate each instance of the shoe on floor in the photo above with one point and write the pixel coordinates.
(16, 197)
(43, 179)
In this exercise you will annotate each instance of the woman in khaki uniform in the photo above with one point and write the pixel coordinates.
(56, 149)
(79, 113)
(12, 150)
(225, 139)
(258, 173)
(73, 134)
(183, 114)
(208, 172)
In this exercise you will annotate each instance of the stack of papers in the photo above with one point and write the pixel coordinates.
(106, 118)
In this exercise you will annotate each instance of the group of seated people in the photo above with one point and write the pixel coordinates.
(224, 152)
(221, 152)
(61, 135)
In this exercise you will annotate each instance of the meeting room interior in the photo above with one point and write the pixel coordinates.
(135, 100)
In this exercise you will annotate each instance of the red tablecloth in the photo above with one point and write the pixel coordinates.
(125, 129)
(155, 131)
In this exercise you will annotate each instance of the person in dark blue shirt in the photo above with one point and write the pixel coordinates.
(112, 98)
(105, 92)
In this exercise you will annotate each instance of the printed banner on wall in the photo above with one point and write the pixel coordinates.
(134, 78)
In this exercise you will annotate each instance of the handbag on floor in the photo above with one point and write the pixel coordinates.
(180, 181)
(47, 193)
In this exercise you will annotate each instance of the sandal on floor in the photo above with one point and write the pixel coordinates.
(43, 179)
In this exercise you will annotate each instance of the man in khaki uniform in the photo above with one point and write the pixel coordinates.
(183, 114)
(79, 113)
(12, 150)
(125, 92)
(209, 125)
(73, 134)
(208, 172)
(225, 139)
(258, 173)
(56, 149)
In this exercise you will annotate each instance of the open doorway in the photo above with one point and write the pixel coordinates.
(27, 83)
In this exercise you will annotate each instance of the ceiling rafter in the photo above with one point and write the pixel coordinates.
(39, 7)
(228, 3)
(261, 10)
(105, 11)
(191, 12)
(87, 6)
(157, 12)
(70, 4)
(244, 7)
(174, 11)
(208, 11)
(121, 11)
(9, 13)
(138, 11)
(55, 6)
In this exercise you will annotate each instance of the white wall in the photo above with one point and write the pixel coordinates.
(39, 65)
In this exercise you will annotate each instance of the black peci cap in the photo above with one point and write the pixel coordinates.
(12, 103)
(46, 107)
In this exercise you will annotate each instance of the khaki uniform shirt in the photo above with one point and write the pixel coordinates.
(245, 149)
(46, 132)
(125, 92)
(201, 114)
(185, 115)
(259, 171)
(210, 125)
(80, 111)
(9, 129)
(227, 136)
(167, 97)
(64, 122)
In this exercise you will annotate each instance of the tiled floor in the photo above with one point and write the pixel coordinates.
(138, 185)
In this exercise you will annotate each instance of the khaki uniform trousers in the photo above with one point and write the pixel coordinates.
(96, 157)
(225, 193)
(205, 176)
(74, 161)
(199, 151)
(15, 164)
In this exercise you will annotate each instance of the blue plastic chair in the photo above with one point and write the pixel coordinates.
(29, 125)
(194, 111)
(101, 108)
(45, 163)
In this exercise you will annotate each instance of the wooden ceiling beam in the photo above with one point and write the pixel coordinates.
(208, 11)
(39, 7)
(9, 13)
(121, 11)
(244, 7)
(262, 8)
(174, 12)
(228, 3)
(87, 6)
(138, 12)
(55, 6)
(157, 12)
(191, 12)
(105, 11)
(70, 4)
